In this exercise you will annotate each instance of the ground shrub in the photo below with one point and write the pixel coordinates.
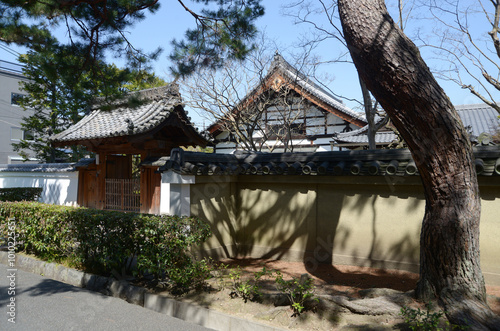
(20, 193)
(106, 242)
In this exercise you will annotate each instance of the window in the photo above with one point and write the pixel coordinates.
(15, 98)
(297, 130)
(28, 135)
(20, 134)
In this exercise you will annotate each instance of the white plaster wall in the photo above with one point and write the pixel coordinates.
(59, 188)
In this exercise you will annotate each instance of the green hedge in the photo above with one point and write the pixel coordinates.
(103, 241)
(20, 193)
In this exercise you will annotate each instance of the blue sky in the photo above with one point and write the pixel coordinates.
(172, 20)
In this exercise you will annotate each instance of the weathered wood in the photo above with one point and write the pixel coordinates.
(101, 181)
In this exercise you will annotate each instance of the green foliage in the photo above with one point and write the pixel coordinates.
(223, 33)
(20, 193)
(224, 30)
(92, 27)
(298, 291)
(106, 241)
(219, 272)
(141, 80)
(165, 248)
(246, 289)
(426, 320)
(59, 93)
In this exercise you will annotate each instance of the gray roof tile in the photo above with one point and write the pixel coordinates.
(478, 118)
(124, 120)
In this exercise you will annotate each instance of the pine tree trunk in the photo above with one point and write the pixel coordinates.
(393, 70)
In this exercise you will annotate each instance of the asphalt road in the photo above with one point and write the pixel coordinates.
(38, 303)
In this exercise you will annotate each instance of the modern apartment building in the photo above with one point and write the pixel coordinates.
(11, 114)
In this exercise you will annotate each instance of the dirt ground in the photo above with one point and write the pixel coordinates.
(343, 284)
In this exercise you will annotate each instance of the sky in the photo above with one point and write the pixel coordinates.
(171, 21)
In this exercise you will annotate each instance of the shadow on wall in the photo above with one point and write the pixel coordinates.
(313, 223)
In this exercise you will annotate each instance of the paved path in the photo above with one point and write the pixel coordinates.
(45, 304)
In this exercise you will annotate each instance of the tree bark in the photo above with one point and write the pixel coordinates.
(393, 70)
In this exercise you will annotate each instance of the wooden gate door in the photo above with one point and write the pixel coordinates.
(150, 190)
(90, 194)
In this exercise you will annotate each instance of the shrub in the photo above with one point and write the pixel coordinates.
(165, 244)
(297, 290)
(427, 320)
(20, 193)
(106, 241)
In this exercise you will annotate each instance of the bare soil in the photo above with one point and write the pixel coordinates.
(350, 297)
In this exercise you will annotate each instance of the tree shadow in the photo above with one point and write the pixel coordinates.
(322, 225)
(4, 298)
(47, 287)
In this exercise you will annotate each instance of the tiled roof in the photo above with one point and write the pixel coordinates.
(45, 167)
(123, 120)
(382, 162)
(359, 136)
(477, 118)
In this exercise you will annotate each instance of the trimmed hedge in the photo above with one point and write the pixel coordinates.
(20, 193)
(103, 241)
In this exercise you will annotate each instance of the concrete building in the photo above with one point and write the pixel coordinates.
(11, 114)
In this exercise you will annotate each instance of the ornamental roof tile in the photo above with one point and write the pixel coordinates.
(382, 162)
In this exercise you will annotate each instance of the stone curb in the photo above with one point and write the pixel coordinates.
(136, 295)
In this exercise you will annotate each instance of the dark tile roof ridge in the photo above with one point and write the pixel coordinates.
(355, 132)
(149, 117)
(359, 162)
(38, 167)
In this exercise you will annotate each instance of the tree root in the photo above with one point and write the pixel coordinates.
(472, 313)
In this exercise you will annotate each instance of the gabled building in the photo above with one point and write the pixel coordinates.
(11, 113)
(147, 123)
(313, 116)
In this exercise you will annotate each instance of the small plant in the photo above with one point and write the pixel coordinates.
(219, 271)
(426, 320)
(247, 290)
(298, 291)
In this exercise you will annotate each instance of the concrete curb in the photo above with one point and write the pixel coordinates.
(136, 295)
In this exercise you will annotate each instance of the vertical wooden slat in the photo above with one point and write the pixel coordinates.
(123, 194)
